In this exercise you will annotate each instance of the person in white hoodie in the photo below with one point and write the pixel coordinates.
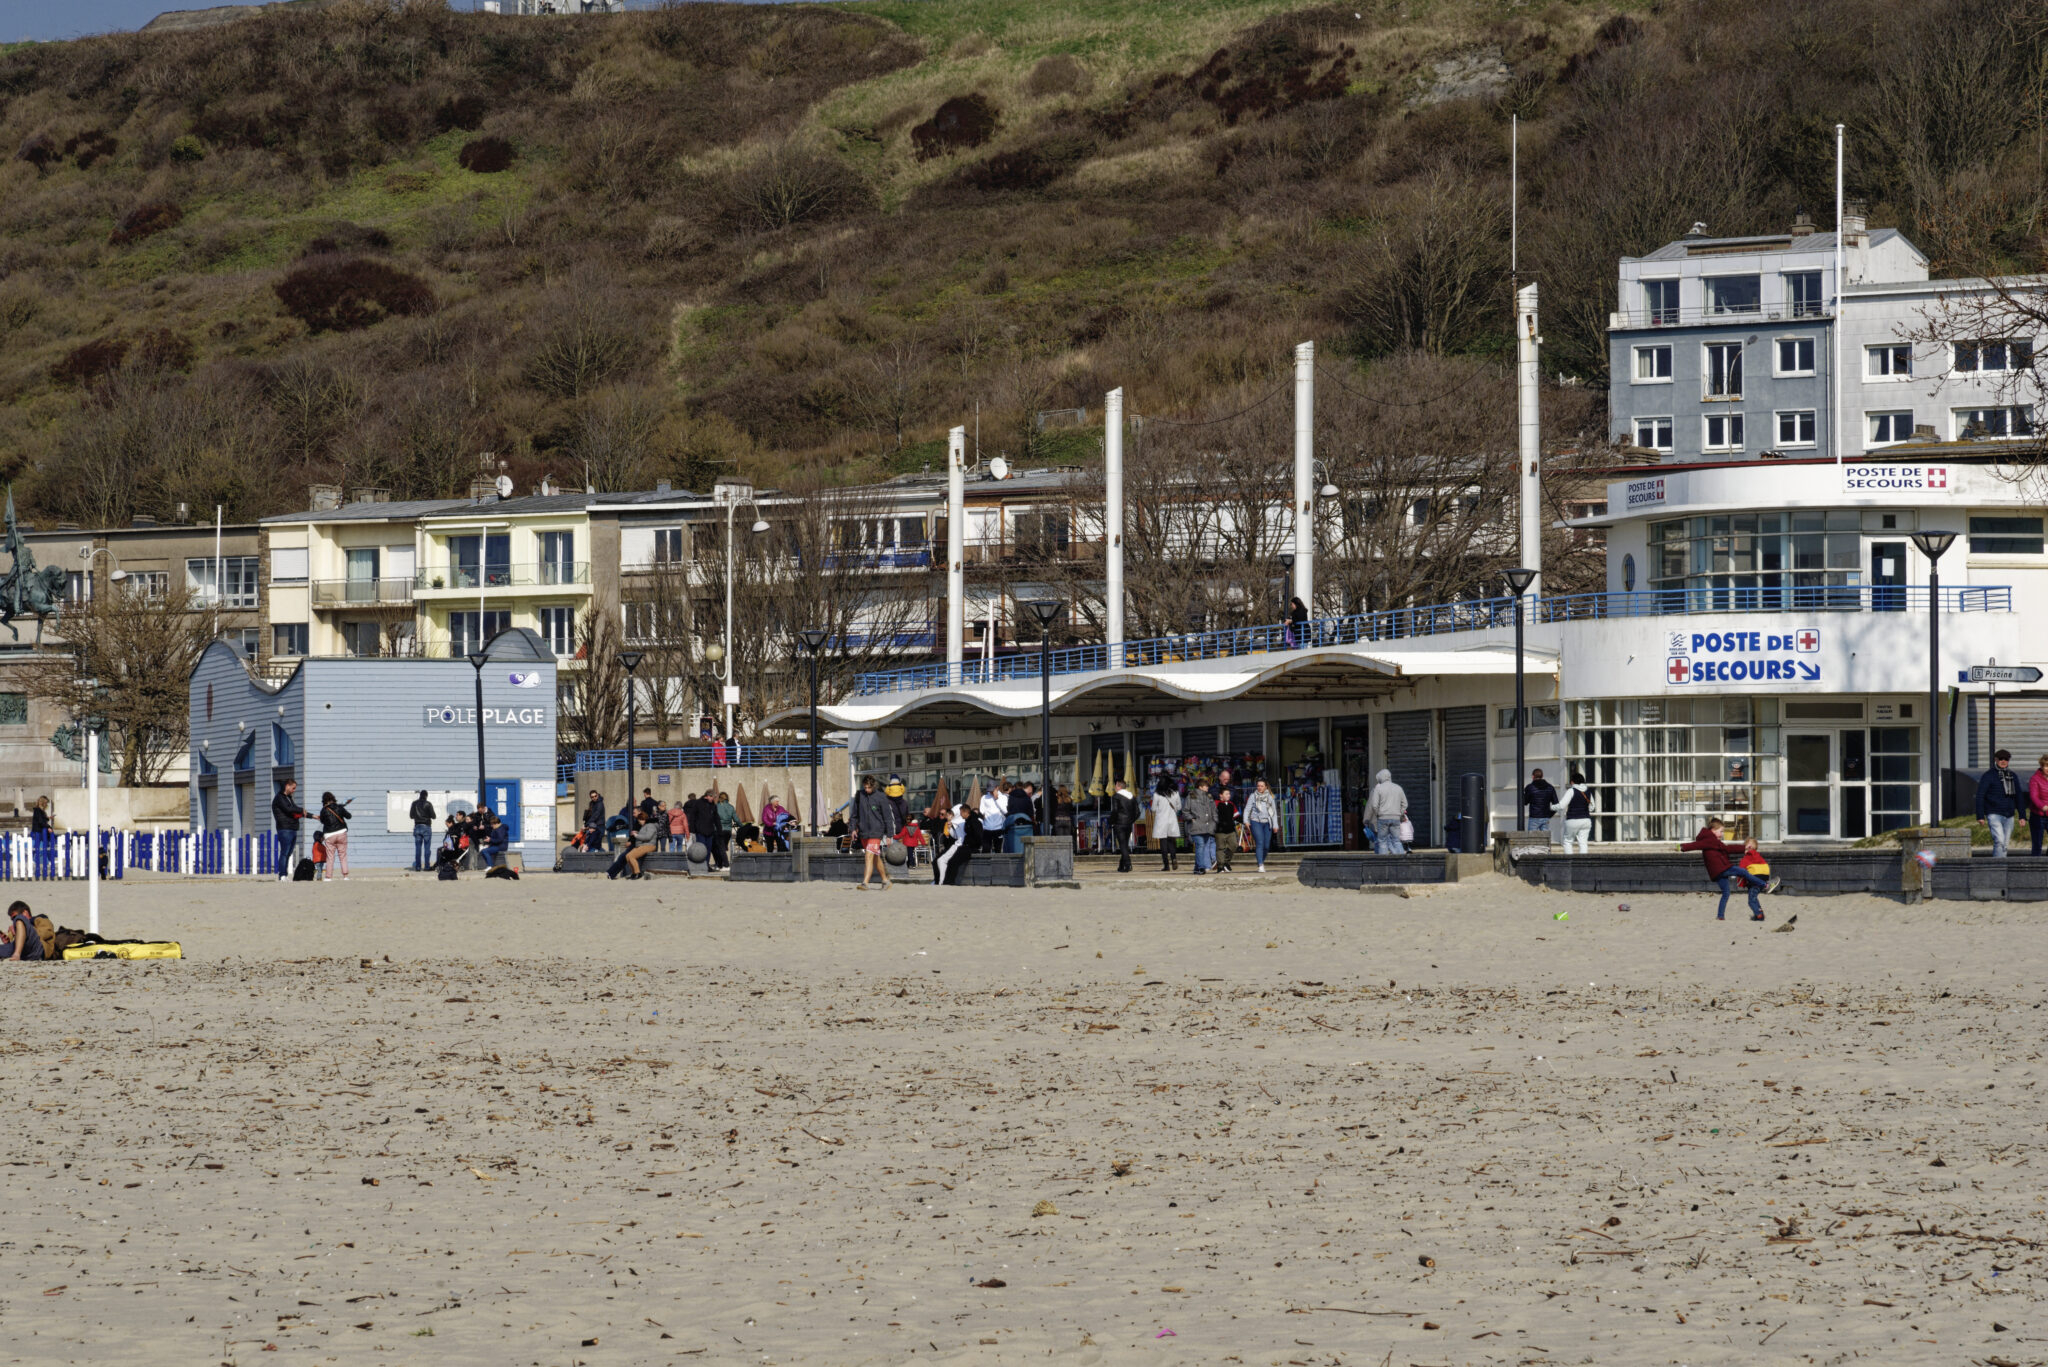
(1578, 813)
(1166, 822)
(995, 814)
(1386, 807)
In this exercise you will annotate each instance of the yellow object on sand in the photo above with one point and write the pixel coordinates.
(128, 949)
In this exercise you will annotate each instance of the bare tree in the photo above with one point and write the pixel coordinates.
(594, 717)
(1431, 278)
(128, 661)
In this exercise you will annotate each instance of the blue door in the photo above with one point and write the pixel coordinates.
(501, 795)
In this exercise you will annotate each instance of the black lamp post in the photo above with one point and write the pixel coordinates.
(813, 639)
(1046, 610)
(477, 660)
(1934, 545)
(1519, 580)
(631, 660)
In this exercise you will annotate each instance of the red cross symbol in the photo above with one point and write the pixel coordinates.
(1678, 671)
(1809, 640)
(1937, 477)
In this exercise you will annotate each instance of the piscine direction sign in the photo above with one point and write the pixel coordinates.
(2021, 674)
(1695, 658)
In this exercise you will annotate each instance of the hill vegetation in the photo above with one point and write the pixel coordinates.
(372, 241)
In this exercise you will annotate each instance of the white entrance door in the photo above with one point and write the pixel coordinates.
(1811, 778)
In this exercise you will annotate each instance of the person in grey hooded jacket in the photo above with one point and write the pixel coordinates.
(1198, 821)
(1386, 806)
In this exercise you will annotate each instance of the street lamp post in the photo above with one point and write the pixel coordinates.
(1046, 610)
(814, 641)
(1519, 580)
(631, 660)
(732, 496)
(1934, 545)
(477, 660)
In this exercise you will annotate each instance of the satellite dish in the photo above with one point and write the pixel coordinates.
(999, 467)
(504, 486)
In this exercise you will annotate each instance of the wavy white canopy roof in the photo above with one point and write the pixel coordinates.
(1340, 674)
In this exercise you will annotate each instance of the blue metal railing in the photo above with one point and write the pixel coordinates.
(1436, 620)
(1792, 598)
(739, 756)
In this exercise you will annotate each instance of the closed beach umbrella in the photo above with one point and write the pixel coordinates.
(740, 808)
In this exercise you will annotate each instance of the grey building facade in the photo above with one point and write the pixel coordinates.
(1721, 348)
(375, 732)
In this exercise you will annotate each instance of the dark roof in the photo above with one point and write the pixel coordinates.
(377, 512)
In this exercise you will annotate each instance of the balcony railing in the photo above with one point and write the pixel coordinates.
(1441, 619)
(363, 593)
(741, 756)
(1693, 317)
(544, 575)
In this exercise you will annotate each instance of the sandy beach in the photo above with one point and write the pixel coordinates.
(571, 1121)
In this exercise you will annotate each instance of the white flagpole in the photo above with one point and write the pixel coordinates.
(92, 822)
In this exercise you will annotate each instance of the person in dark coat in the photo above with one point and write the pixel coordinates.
(874, 820)
(422, 814)
(1023, 812)
(1297, 624)
(285, 815)
(2000, 798)
(1124, 813)
(1539, 799)
(1226, 826)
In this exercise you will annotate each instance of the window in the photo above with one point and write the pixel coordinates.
(288, 565)
(1890, 427)
(1660, 766)
(245, 757)
(78, 586)
(361, 639)
(281, 751)
(237, 583)
(1795, 355)
(1724, 370)
(1894, 360)
(558, 629)
(1758, 560)
(1993, 422)
(467, 631)
(1994, 356)
(148, 585)
(1653, 365)
(1734, 294)
(1660, 301)
(1653, 434)
(474, 561)
(2005, 536)
(1795, 428)
(288, 639)
(668, 545)
(1724, 432)
(1543, 716)
(558, 557)
(1041, 534)
(247, 640)
(1802, 293)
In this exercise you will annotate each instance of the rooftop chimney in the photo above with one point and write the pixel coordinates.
(1697, 230)
(483, 489)
(1802, 224)
(323, 498)
(1854, 231)
(371, 494)
(662, 486)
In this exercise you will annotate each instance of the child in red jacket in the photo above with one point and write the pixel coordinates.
(1725, 866)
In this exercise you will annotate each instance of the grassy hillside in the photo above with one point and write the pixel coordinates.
(373, 241)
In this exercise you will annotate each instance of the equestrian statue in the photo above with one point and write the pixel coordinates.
(24, 588)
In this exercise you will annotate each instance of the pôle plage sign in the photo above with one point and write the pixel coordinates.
(1723, 657)
(493, 716)
(1896, 479)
